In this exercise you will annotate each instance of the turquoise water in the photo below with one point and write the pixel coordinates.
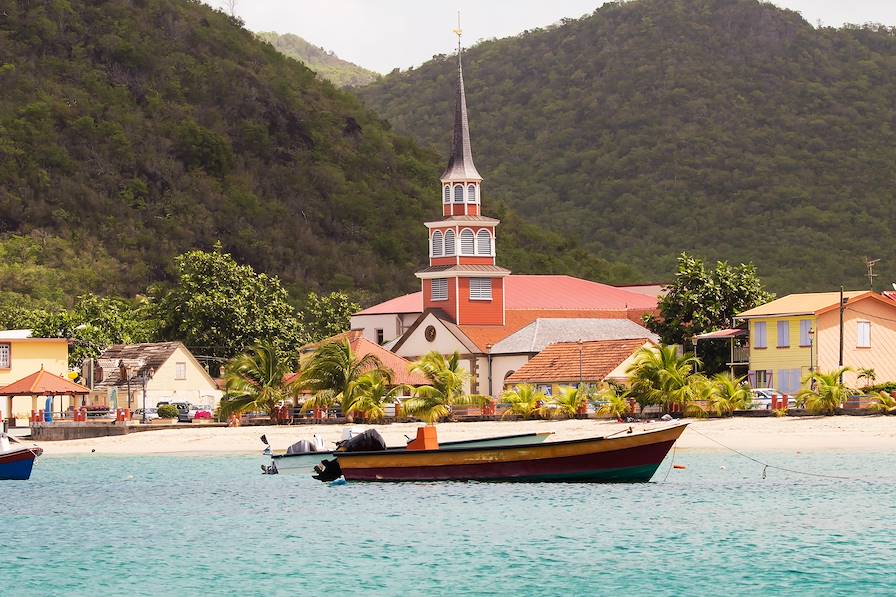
(103, 525)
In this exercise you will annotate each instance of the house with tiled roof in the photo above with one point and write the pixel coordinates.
(21, 354)
(567, 364)
(468, 302)
(170, 371)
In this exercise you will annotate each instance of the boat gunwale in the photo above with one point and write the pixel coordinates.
(395, 449)
(567, 442)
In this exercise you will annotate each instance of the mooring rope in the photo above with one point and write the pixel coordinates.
(671, 464)
(767, 466)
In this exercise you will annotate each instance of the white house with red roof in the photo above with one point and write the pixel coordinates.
(468, 303)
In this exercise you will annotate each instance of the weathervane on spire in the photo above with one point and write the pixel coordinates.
(458, 32)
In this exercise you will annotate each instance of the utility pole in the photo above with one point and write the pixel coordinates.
(843, 302)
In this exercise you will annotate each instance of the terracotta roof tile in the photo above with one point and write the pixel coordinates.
(42, 383)
(361, 346)
(560, 362)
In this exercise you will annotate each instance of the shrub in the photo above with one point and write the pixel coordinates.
(167, 411)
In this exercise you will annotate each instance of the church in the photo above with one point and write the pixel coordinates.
(495, 320)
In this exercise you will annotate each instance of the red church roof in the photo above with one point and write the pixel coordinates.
(546, 293)
(41, 383)
(361, 346)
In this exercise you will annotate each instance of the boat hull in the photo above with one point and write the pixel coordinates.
(305, 462)
(627, 459)
(17, 464)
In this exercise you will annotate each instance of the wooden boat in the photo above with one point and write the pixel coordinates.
(625, 458)
(16, 460)
(305, 462)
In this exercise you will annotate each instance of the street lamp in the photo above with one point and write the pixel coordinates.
(147, 373)
(811, 352)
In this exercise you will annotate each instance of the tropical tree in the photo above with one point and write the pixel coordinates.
(567, 403)
(525, 400)
(371, 393)
(728, 394)
(884, 403)
(868, 374)
(613, 402)
(660, 375)
(826, 393)
(446, 382)
(332, 374)
(702, 299)
(258, 380)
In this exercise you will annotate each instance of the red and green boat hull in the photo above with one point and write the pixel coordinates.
(626, 459)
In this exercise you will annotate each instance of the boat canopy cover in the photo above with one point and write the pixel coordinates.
(369, 441)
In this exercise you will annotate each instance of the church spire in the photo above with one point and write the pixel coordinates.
(460, 165)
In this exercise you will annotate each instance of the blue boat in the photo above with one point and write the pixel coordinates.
(16, 460)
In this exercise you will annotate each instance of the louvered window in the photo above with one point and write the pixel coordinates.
(459, 194)
(467, 242)
(471, 194)
(446, 198)
(449, 242)
(439, 289)
(483, 243)
(480, 289)
(4, 356)
(437, 246)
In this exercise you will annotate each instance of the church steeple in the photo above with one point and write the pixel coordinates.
(460, 164)
(463, 280)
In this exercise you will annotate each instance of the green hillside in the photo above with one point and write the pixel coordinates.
(728, 128)
(135, 130)
(341, 73)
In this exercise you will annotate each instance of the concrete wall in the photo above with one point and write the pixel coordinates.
(881, 356)
(390, 323)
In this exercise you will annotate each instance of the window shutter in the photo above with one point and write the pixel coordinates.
(449, 242)
(471, 194)
(459, 194)
(480, 289)
(751, 378)
(439, 289)
(437, 246)
(466, 242)
(783, 334)
(483, 243)
(446, 198)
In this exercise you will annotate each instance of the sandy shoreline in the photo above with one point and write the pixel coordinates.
(790, 434)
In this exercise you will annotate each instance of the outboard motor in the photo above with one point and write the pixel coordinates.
(327, 470)
(369, 441)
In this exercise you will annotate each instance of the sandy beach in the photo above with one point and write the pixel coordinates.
(789, 434)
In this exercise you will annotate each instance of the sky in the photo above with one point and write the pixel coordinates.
(385, 34)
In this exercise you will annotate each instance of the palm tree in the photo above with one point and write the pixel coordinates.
(868, 375)
(728, 394)
(446, 383)
(568, 403)
(524, 399)
(826, 394)
(613, 403)
(659, 375)
(884, 403)
(371, 393)
(332, 372)
(258, 380)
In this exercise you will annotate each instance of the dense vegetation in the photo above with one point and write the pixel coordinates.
(331, 67)
(135, 130)
(728, 128)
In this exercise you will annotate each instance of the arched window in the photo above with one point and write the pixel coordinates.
(466, 242)
(437, 244)
(471, 194)
(449, 242)
(459, 193)
(483, 243)
(447, 195)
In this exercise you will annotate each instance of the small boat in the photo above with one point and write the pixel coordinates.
(621, 459)
(16, 460)
(304, 462)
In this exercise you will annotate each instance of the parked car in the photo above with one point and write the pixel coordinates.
(762, 398)
(151, 413)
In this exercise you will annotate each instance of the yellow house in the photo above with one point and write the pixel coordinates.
(20, 356)
(799, 333)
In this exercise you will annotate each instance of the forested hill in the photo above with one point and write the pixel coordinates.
(329, 66)
(729, 128)
(134, 130)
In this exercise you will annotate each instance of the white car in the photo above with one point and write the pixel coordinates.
(151, 413)
(762, 398)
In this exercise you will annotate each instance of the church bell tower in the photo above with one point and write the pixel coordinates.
(463, 279)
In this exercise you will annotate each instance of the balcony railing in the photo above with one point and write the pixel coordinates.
(740, 355)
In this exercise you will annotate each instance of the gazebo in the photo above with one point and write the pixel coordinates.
(41, 383)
